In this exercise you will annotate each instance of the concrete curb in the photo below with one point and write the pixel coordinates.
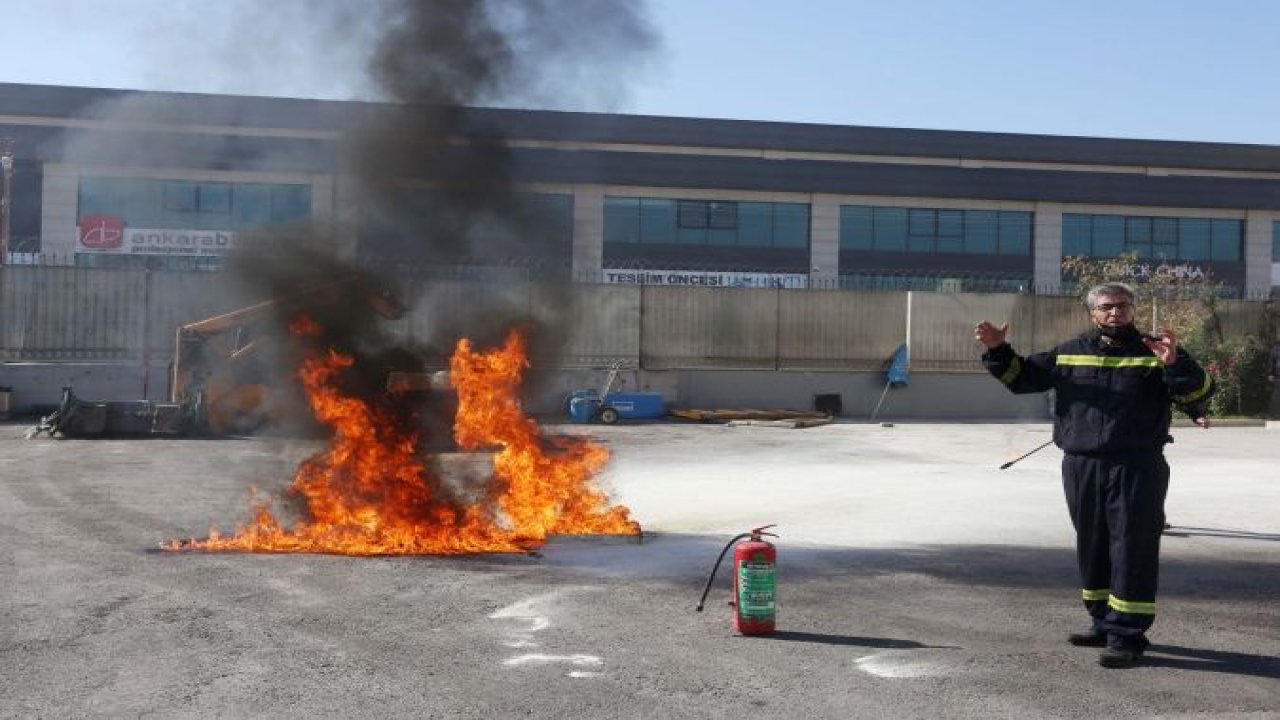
(1228, 422)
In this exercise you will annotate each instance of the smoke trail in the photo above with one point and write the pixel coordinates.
(421, 178)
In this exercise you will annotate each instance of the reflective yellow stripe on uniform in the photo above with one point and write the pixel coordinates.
(1011, 374)
(1196, 394)
(1133, 608)
(1095, 594)
(1110, 361)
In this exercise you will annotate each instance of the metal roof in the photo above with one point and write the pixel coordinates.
(300, 114)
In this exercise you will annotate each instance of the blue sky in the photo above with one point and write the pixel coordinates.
(1176, 69)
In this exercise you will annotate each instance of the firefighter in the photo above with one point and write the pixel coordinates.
(1115, 387)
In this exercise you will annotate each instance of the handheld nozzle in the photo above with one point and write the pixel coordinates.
(1027, 455)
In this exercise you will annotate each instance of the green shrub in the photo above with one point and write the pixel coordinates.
(1241, 369)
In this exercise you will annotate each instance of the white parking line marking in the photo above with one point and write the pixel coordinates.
(540, 658)
(534, 619)
(896, 666)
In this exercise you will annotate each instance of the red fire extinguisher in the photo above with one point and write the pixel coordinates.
(754, 584)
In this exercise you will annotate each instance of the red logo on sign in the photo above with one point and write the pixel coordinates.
(101, 232)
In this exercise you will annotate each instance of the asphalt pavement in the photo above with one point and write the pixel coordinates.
(916, 580)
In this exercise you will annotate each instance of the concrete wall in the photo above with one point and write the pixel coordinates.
(928, 395)
(110, 333)
(37, 388)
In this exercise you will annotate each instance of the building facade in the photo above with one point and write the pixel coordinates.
(107, 177)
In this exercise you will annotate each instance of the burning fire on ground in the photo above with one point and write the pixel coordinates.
(371, 492)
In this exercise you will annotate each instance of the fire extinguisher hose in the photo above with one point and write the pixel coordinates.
(711, 578)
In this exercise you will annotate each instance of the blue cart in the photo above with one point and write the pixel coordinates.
(606, 406)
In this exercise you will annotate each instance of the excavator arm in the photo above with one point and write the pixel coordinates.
(212, 368)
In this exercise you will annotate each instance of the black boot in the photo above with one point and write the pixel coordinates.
(1119, 657)
(1125, 655)
(1089, 638)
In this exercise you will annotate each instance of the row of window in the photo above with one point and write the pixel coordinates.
(971, 232)
(184, 204)
(1162, 238)
(660, 221)
(420, 225)
(188, 205)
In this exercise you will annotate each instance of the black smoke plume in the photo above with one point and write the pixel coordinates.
(432, 173)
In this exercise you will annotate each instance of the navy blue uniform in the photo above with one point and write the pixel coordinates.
(1111, 419)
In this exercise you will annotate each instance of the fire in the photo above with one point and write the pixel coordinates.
(372, 493)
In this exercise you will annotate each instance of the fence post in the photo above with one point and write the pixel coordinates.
(640, 329)
(146, 332)
(777, 328)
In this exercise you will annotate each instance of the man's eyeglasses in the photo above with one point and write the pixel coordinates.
(1108, 307)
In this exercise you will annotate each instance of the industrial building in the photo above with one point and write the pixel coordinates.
(112, 177)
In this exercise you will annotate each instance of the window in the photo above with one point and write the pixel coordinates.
(1077, 233)
(922, 229)
(722, 215)
(790, 225)
(692, 214)
(856, 227)
(950, 231)
(928, 230)
(252, 205)
(622, 219)
(290, 203)
(981, 232)
(1015, 233)
(1157, 238)
(890, 229)
(180, 197)
(755, 225)
(1108, 236)
(1193, 239)
(1225, 239)
(724, 223)
(1275, 242)
(213, 197)
(658, 221)
(182, 204)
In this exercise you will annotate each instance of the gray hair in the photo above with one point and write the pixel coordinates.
(1110, 288)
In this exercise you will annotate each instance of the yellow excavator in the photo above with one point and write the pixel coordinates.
(215, 387)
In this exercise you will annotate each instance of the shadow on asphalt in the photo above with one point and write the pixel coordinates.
(1242, 576)
(869, 642)
(1217, 661)
(1246, 573)
(1183, 531)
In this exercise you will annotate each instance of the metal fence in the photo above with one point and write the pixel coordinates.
(62, 313)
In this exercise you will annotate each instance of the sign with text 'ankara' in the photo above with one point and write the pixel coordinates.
(109, 234)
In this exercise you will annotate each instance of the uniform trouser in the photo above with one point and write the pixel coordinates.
(1117, 507)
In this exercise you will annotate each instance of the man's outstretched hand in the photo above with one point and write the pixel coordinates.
(990, 335)
(1164, 345)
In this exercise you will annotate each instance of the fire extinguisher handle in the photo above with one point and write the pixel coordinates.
(759, 532)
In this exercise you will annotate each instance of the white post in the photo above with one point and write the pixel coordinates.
(908, 341)
(887, 383)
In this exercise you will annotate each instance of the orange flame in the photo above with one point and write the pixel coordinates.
(372, 493)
